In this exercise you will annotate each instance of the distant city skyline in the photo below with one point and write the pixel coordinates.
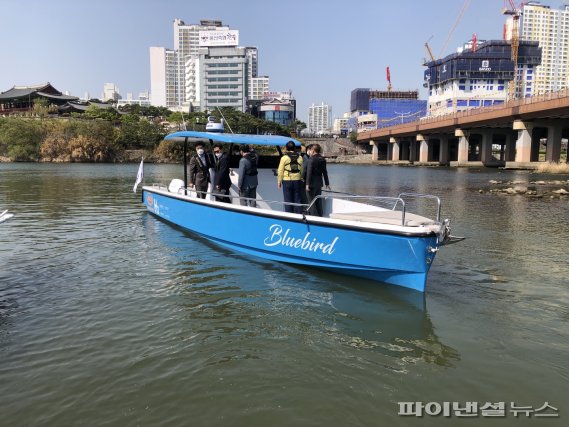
(320, 50)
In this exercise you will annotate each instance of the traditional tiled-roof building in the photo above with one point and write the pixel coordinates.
(21, 98)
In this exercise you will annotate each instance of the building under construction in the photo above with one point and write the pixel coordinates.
(479, 76)
(373, 109)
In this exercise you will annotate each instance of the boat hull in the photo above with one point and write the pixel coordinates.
(384, 256)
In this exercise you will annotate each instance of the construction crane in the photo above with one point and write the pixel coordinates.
(454, 26)
(429, 49)
(516, 13)
(456, 22)
(388, 80)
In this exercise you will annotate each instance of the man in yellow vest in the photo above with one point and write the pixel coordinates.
(289, 177)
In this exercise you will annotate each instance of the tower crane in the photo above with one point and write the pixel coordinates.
(516, 13)
(429, 49)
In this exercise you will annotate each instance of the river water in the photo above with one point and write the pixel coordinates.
(111, 317)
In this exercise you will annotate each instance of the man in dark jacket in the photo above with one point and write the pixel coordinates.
(198, 171)
(248, 180)
(315, 171)
(221, 179)
(305, 158)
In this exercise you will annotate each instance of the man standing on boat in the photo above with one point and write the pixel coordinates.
(248, 180)
(289, 177)
(199, 171)
(305, 157)
(221, 179)
(315, 171)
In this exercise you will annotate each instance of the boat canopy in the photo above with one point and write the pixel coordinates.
(232, 138)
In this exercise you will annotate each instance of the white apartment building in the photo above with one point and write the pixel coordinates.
(163, 75)
(319, 118)
(253, 60)
(110, 92)
(340, 123)
(259, 86)
(550, 27)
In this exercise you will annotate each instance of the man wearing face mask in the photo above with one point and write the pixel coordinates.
(221, 179)
(198, 173)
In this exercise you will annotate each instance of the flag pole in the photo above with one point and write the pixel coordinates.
(186, 166)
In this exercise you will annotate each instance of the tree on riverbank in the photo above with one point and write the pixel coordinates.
(103, 135)
(20, 139)
(25, 139)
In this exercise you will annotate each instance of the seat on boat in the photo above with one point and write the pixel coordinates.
(384, 217)
(175, 185)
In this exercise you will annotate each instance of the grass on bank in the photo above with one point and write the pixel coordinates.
(552, 167)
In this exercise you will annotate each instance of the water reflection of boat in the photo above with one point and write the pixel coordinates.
(387, 244)
(393, 321)
(389, 324)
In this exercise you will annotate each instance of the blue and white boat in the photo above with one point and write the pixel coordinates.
(357, 235)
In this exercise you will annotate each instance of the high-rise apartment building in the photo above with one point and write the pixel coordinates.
(163, 77)
(319, 118)
(550, 27)
(252, 59)
(184, 77)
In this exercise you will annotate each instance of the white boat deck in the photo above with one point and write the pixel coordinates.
(385, 217)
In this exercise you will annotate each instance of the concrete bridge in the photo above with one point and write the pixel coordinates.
(502, 135)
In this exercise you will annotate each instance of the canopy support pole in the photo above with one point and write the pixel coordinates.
(186, 166)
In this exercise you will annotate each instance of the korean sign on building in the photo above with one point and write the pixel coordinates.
(219, 38)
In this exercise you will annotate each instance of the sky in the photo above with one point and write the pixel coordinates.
(319, 49)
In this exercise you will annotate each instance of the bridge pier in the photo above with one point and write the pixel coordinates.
(413, 151)
(423, 148)
(395, 149)
(463, 146)
(510, 147)
(486, 147)
(444, 150)
(524, 141)
(553, 150)
(374, 150)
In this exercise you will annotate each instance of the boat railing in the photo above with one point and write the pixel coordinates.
(424, 196)
(394, 201)
(347, 196)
